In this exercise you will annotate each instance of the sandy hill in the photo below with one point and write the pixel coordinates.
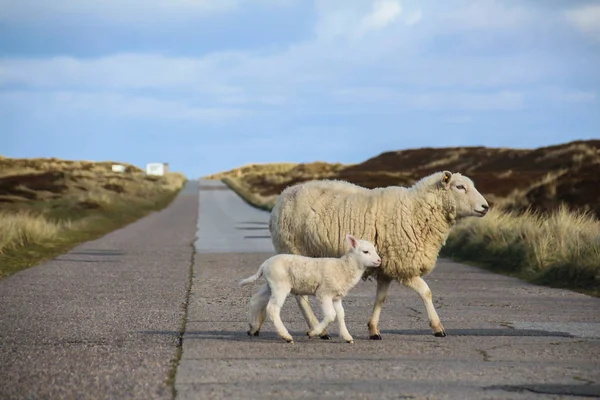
(541, 178)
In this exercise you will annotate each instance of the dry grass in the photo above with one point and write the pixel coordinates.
(50, 205)
(254, 169)
(251, 197)
(561, 248)
(23, 228)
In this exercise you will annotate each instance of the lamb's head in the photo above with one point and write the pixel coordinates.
(365, 251)
(468, 201)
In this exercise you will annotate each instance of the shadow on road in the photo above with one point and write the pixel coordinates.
(481, 332)
(241, 335)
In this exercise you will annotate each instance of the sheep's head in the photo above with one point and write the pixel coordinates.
(468, 201)
(365, 251)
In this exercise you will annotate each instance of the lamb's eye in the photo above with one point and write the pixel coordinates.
(460, 187)
(366, 251)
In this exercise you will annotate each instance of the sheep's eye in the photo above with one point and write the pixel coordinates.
(460, 187)
(366, 251)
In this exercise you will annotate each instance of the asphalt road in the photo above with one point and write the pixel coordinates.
(103, 322)
(506, 339)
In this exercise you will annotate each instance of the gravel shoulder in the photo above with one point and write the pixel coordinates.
(102, 321)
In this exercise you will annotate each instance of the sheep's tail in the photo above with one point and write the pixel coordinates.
(254, 277)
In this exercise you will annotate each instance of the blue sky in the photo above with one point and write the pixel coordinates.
(212, 85)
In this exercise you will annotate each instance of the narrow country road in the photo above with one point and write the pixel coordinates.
(104, 321)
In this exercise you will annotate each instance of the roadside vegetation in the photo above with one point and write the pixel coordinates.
(559, 249)
(48, 206)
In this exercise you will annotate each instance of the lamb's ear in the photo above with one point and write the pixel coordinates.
(352, 241)
(446, 175)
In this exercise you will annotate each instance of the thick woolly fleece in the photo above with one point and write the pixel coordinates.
(407, 225)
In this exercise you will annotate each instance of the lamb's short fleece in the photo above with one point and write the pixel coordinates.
(407, 225)
(327, 278)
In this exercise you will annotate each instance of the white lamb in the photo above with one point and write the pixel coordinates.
(407, 225)
(329, 279)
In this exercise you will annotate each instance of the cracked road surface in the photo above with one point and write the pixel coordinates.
(506, 339)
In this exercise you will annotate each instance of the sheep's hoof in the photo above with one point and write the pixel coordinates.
(350, 341)
(325, 337)
(440, 334)
(375, 337)
(289, 340)
(253, 334)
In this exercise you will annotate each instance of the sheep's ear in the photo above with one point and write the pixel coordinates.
(352, 241)
(446, 175)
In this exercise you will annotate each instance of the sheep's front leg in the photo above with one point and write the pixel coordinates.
(274, 309)
(328, 317)
(309, 316)
(383, 287)
(339, 310)
(420, 286)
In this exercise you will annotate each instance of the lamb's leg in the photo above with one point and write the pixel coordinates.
(309, 316)
(278, 296)
(258, 309)
(339, 310)
(383, 286)
(328, 317)
(418, 285)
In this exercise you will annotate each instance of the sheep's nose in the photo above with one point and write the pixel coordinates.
(379, 260)
(485, 207)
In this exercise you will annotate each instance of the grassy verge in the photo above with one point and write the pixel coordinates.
(561, 249)
(249, 196)
(48, 206)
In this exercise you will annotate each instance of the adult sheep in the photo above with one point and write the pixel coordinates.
(407, 225)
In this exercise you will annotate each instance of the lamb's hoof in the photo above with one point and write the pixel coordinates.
(350, 341)
(289, 340)
(440, 334)
(375, 337)
(325, 337)
(253, 334)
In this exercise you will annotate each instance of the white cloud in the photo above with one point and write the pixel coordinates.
(586, 19)
(353, 20)
(111, 104)
(487, 15)
(430, 100)
(383, 13)
(413, 17)
(569, 96)
(396, 63)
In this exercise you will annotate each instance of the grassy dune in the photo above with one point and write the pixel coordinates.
(47, 206)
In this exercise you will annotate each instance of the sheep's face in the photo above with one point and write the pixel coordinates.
(469, 202)
(367, 254)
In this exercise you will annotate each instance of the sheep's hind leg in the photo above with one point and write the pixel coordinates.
(258, 309)
(420, 286)
(339, 310)
(383, 287)
(328, 317)
(278, 297)
(309, 316)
